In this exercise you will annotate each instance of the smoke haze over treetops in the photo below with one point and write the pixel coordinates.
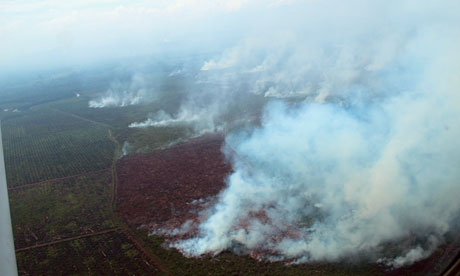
(358, 146)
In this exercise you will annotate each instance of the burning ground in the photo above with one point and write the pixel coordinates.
(168, 192)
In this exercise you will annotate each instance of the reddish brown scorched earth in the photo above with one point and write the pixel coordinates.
(165, 188)
(162, 188)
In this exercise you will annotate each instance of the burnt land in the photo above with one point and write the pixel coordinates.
(165, 187)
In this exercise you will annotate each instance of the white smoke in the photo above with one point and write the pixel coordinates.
(373, 162)
(125, 149)
(281, 65)
(412, 255)
(286, 64)
(201, 120)
(124, 94)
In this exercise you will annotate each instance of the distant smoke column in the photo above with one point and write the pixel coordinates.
(7, 253)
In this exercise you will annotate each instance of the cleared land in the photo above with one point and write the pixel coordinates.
(165, 188)
(161, 188)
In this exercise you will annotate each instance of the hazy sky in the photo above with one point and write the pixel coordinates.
(51, 32)
(39, 34)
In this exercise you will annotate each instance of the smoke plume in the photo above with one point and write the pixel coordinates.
(122, 94)
(199, 120)
(369, 158)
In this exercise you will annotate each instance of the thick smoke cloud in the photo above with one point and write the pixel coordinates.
(331, 181)
(369, 159)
